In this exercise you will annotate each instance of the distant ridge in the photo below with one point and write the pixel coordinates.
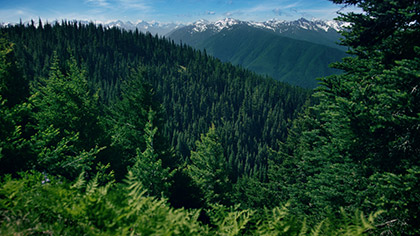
(296, 52)
(153, 27)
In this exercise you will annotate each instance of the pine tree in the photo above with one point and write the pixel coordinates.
(64, 100)
(148, 168)
(210, 170)
(127, 121)
(67, 122)
(15, 153)
(365, 127)
(14, 87)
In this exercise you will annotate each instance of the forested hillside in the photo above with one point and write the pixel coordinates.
(288, 60)
(250, 112)
(295, 52)
(105, 132)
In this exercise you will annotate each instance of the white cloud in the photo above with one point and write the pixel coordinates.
(327, 12)
(270, 7)
(278, 8)
(99, 3)
(120, 5)
(282, 12)
(135, 5)
(13, 15)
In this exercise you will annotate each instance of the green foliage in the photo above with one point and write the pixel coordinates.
(29, 206)
(356, 149)
(67, 122)
(362, 139)
(195, 90)
(64, 101)
(375, 30)
(37, 203)
(54, 128)
(399, 194)
(148, 167)
(278, 221)
(150, 216)
(58, 156)
(13, 85)
(299, 62)
(14, 112)
(209, 169)
(15, 153)
(229, 221)
(128, 120)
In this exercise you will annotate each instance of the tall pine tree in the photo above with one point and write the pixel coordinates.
(210, 170)
(364, 133)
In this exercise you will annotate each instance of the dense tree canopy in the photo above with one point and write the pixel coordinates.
(362, 139)
(133, 72)
(99, 126)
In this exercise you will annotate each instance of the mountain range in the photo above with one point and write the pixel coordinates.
(153, 27)
(296, 52)
(316, 31)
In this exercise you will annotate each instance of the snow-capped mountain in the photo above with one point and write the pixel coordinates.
(153, 27)
(274, 25)
(314, 31)
(302, 23)
(296, 52)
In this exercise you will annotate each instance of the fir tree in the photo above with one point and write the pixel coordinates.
(148, 168)
(210, 170)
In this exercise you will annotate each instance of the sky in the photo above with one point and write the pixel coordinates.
(166, 11)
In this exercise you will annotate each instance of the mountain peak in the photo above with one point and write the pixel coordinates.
(154, 27)
(217, 26)
(273, 24)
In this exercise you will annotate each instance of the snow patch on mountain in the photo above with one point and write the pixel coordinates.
(226, 23)
(154, 27)
(200, 26)
(274, 25)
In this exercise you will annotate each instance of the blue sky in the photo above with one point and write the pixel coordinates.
(180, 11)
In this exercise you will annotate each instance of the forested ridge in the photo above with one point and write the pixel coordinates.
(292, 60)
(104, 131)
(195, 90)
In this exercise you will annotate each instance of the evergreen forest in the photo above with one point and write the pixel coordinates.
(111, 132)
(285, 58)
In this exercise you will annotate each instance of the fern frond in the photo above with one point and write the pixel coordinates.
(135, 190)
(92, 186)
(304, 228)
(80, 182)
(317, 230)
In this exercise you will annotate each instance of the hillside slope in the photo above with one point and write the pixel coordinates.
(288, 60)
(268, 52)
(251, 113)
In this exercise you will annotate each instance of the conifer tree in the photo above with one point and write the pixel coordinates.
(210, 170)
(67, 122)
(14, 87)
(127, 121)
(366, 124)
(64, 100)
(15, 153)
(148, 168)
